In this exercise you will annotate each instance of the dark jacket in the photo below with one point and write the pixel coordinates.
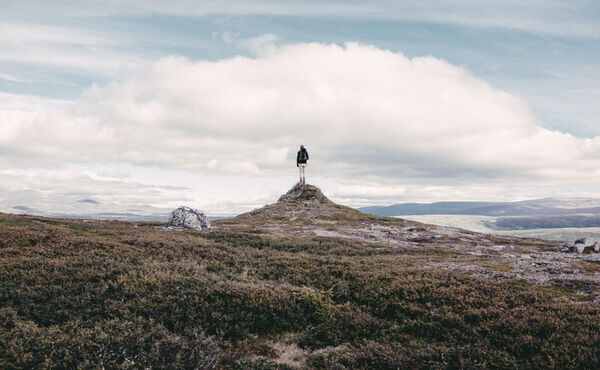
(299, 158)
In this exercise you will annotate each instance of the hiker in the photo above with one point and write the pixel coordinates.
(301, 159)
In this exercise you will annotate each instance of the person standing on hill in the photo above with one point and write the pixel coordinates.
(301, 159)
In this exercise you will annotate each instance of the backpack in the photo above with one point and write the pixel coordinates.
(303, 156)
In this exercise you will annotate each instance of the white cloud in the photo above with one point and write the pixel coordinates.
(262, 45)
(365, 114)
(13, 33)
(65, 46)
(114, 187)
(63, 191)
(555, 17)
(11, 78)
(575, 18)
(28, 103)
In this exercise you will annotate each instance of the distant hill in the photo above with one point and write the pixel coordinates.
(535, 207)
(545, 222)
(119, 216)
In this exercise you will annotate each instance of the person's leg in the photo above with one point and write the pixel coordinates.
(300, 169)
(303, 173)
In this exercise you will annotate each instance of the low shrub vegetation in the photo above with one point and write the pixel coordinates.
(110, 294)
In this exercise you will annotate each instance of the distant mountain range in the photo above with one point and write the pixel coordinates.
(523, 215)
(545, 213)
(122, 216)
(535, 207)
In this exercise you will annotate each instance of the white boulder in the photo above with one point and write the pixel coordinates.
(184, 217)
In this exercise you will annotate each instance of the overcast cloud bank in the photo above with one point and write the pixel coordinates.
(366, 115)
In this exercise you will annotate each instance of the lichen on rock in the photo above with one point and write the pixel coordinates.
(304, 193)
(184, 217)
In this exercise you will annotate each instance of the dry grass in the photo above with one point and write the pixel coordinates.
(289, 354)
(590, 268)
(111, 294)
(494, 266)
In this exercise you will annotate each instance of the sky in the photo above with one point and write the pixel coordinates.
(142, 106)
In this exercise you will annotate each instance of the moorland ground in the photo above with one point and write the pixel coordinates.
(320, 287)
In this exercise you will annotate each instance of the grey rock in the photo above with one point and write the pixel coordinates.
(578, 248)
(184, 217)
(579, 245)
(566, 247)
(587, 242)
(304, 194)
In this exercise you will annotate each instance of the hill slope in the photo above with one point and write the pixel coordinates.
(268, 290)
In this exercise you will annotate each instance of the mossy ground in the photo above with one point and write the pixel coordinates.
(110, 294)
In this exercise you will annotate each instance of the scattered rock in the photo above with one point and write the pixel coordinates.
(579, 245)
(587, 242)
(578, 248)
(306, 202)
(306, 194)
(184, 217)
(491, 257)
(566, 246)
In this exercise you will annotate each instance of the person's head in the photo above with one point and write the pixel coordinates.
(301, 146)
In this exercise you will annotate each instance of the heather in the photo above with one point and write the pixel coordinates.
(113, 294)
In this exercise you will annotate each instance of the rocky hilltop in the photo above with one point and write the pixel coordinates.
(305, 210)
(302, 203)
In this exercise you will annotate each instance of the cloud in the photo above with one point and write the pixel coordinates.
(29, 103)
(555, 17)
(575, 18)
(111, 187)
(11, 78)
(261, 45)
(411, 126)
(62, 191)
(64, 47)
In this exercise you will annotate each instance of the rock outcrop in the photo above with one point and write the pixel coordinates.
(303, 204)
(304, 193)
(580, 245)
(184, 217)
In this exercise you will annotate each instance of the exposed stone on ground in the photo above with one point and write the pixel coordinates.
(184, 217)
(304, 210)
(304, 193)
(588, 242)
(300, 204)
(580, 245)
